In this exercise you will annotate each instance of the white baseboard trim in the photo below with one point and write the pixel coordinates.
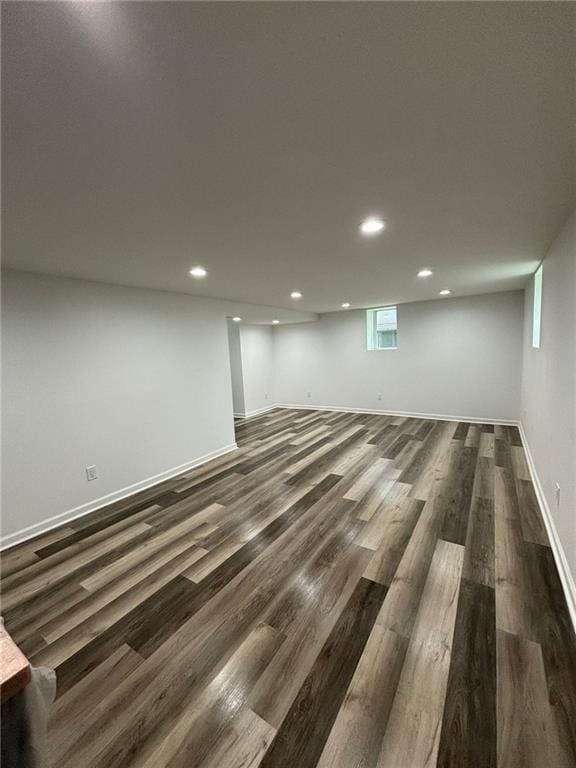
(91, 506)
(258, 412)
(410, 414)
(564, 572)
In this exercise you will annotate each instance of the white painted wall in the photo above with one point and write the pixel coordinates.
(138, 382)
(549, 387)
(256, 343)
(134, 381)
(459, 357)
(236, 367)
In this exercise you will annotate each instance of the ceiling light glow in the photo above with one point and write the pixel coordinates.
(237, 319)
(275, 322)
(198, 272)
(296, 295)
(425, 273)
(445, 292)
(345, 305)
(372, 226)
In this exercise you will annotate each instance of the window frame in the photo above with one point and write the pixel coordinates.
(537, 308)
(370, 334)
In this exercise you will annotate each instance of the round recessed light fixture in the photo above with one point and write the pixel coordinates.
(275, 322)
(296, 295)
(198, 272)
(445, 292)
(372, 226)
(425, 273)
(345, 305)
(237, 319)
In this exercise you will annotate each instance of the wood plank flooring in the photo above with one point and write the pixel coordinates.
(343, 591)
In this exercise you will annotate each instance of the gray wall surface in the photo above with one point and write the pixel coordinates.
(549, 387)
(457, 357)
(236, 367)
(134, 381)
(256, 342)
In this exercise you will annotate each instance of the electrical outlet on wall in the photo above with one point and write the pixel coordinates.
(379, 396)
(557, 494)
(91, 473)
(308, 394)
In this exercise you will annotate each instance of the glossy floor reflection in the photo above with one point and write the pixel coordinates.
(343, 590)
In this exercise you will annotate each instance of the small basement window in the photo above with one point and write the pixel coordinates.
(537, 308)
(382, 328)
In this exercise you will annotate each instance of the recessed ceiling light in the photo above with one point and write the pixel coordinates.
(346, 305)
(275, 322)
(296, 295)
(425, 273)
(237, 319)
(372, 226)
(198, 272)
(445, 292)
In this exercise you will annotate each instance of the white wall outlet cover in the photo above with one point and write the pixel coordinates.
(91, 473)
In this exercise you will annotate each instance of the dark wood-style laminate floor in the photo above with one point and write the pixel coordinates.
(345, 590)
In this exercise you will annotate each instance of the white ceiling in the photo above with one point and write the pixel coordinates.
(252, 138)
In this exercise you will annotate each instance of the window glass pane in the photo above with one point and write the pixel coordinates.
(382, 328)
(537, 308)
